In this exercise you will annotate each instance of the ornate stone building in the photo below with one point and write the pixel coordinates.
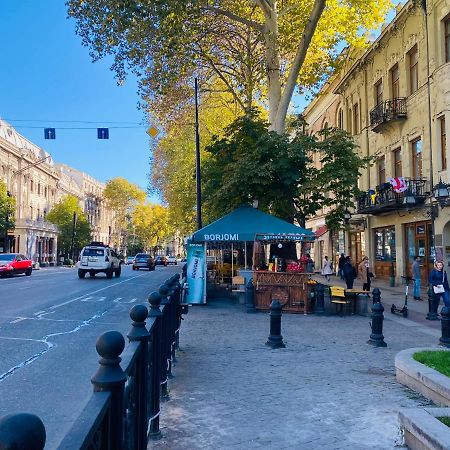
(395, 100)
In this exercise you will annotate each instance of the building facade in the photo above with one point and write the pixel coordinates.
(395, 100)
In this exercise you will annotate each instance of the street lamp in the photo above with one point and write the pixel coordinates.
(441, 193)
(347, 216)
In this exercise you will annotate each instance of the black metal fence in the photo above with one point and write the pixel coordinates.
(388, 110)
(123, 411)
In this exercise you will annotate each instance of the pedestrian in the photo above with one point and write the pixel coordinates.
(415, 269)
(364, 273)
(326, 268)
(309, 264)
(349, 272)
(341, 263)
(439, 282)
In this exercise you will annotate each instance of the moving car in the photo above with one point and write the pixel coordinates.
(143, 261)
(160, 260)
(98, 257)
(129, 260)
(14, 263)
(172, 260)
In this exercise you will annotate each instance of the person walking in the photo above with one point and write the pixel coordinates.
(364, 273)
(439, 282)
(341, 263)
(309, 264)
(415, 269)
(349, 272)
(326, 268)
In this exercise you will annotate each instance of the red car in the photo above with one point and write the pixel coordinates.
(13, 263)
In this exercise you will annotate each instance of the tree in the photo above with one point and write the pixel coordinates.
(253, 163)
(260, 49)
(151, 224)
(122, 197)
(62, 216)
(7, 210)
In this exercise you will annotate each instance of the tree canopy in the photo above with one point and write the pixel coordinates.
(260, 50)
(7, 210)
(62, 216)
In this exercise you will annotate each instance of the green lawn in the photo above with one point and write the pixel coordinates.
(438, 360)
(445, 420)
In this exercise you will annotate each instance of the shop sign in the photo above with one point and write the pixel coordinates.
(420, 229)
(222, 237)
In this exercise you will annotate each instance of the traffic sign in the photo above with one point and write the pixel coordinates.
(153, 131)
(49, 133)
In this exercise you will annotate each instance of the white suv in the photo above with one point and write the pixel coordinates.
(97, 257)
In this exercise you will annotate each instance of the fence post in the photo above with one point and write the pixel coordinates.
(22, 431)
(376, 337)
(444, 340)
(320, 304)
(164, 293)
(176, 319)
(275, 339)
(155, 386)
(432, 305)
(250, 297)
(111, 378)
(139, 333)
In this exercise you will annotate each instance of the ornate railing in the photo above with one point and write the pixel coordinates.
(383, 198)
(388, 111)
(123, 411)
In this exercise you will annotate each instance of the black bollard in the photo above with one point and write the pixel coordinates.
(275, 339)
(433, 303)
(111, 378)
(250, 297)
(444, 340)
(376, 296)
(320, 304)
(376, 337)
(22, 431)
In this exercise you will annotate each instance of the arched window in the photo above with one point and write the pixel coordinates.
(340, 119)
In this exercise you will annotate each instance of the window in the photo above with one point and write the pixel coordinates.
(443, 143)
(31, 212)
(381, 166)
(385, 244)
(378, 92)
(355, 119)
(413, 70)
(416, 158)
(31, 186)
(395, 83)
(397, 153)
(340, 120)
(39, 189)
(447, 39)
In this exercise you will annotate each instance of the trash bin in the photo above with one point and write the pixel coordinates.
(363, 305)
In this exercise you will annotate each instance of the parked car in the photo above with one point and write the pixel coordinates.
(14, 263)
(161, 260)
(143, 261)
(98, 257)
(129, 260)
(172, 260)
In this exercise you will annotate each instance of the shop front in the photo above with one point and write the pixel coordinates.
(385, 252)
(419, 242)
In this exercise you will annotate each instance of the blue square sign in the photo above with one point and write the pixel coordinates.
(102, 133)
(49, 133)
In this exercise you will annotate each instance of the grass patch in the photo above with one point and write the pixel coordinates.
(445, 420)
(438, 360)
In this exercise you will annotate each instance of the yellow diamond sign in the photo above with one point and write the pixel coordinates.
(152, 131)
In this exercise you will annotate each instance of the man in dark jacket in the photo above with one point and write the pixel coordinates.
(349, 272)
(341, 266)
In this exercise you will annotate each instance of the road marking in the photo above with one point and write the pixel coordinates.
(85, 299)
(89, 299)
(95, 292)
(39, 312)
(131, 301)
(116, 300)
(18, 320)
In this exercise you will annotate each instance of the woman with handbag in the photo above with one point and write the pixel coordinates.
(364, 273)
(439, 282)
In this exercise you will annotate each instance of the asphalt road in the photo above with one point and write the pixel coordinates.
(49, 324)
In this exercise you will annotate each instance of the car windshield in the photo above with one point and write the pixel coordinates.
(93, 252)
(142, 255)
(7, 257)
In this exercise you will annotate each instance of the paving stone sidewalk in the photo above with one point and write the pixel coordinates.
(326, 390)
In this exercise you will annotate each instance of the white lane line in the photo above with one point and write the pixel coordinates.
(39, 312)
(95, 292)
(18, 320)
(85, 299)
(116, 300)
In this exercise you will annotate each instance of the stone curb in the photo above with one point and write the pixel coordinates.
(425, 380)
(422, 430)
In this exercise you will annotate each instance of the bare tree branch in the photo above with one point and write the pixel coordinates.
(222, 12)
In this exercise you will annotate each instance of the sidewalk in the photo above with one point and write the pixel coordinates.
(328, 389)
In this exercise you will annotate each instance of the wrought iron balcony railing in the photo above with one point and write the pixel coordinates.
(383, 198)
(388, 111)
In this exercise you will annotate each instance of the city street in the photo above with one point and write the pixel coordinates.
(49, 323)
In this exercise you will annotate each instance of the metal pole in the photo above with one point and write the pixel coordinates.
(197, 161)
(74, 223)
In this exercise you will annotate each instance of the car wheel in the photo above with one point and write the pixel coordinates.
(134, 268)
(81, 274)
(118, 271)
(28, 272)
(92, 274)
(109, 272)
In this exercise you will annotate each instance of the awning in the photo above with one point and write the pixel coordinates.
(321, 231)
(246, 224)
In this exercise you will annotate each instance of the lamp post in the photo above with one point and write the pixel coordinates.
(197, 161)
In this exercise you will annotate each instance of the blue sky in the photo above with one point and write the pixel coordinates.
(48, 75)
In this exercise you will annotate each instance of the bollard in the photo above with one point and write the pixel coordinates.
(111, 378)
(444, 340)
(155, 376)
(376, 296)
(250, 297)
(275, 339)
(138, 332)
(433, 303)
(320, 304)
(22, 431)
(376, 337)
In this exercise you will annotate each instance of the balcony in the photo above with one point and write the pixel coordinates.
(387, 112)
(384, 199)
(38, 225)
